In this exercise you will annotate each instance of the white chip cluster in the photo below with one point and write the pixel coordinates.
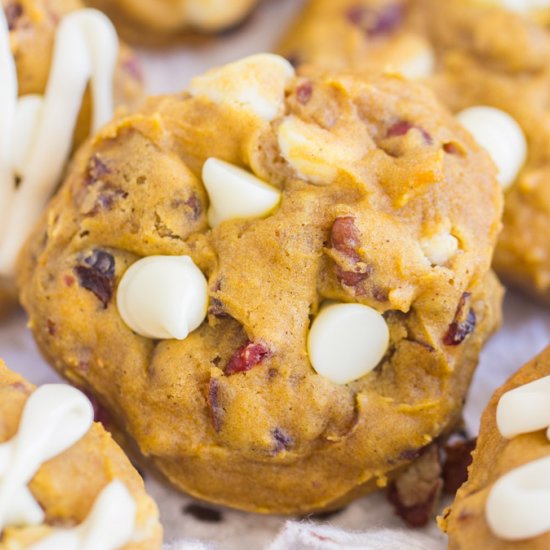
(256, 83)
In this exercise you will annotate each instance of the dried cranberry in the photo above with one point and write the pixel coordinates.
(283, 441)
(13, 13)
(415, 492)
(96, 170)
(101, 414)
(108, 196)
(376, 21)
(463, 324)
(216, 410)
(96, 275)
(458, 459)
(132, 67)
(247, 357)
(304, 92)
(195, 205)
(403, 127)
(52, 329)
(217, 309)
(345, 237)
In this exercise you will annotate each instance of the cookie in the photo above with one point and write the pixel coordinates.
(49, 44)
(278, 284)
(503, 503)
(472, 54)
(64, 483)
(153, 22)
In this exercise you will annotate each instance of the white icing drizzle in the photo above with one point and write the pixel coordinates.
(109, 525)
(518, 503)
(525, 409)
(36, 132)
(55, 417)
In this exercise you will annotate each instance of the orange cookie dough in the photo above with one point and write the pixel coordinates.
(471, 53)
(32, 28)
(67, 485)
(494, 457)
(386, 204)
(150, 21)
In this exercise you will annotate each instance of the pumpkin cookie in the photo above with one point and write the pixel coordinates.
(161, 21)
(64, 483)
(278, 284)
(490, 65)
(503, 505)
(50, 51)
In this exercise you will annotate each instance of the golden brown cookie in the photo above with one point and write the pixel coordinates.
(161, 21)
(471, 53)
(67, 486)
(33, 26)
(494, 457)
(386, 204)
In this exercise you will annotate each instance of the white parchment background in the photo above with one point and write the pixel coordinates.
(526, 329)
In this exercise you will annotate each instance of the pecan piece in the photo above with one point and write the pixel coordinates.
(345, 237)
(415, 493)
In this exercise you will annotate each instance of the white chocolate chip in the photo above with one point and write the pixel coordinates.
(501, 136)
(256, 83)
(347, 341)
(412, 57)
(440, 248)
(525, 409)
(518, 503)
(315, 153)
(235, 193)
(163, 297)
(419, 66)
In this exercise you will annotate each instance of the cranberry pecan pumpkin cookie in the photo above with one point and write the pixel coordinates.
(64, 483)
(50, 52)
(504, 503)
(150, 21)
(278, 284)
(489, 61)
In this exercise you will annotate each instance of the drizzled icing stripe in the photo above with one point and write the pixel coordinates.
(36, 132)
(109, 525)
(54, 418)
(517, 505)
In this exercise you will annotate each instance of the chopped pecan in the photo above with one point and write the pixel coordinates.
(415, 493)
